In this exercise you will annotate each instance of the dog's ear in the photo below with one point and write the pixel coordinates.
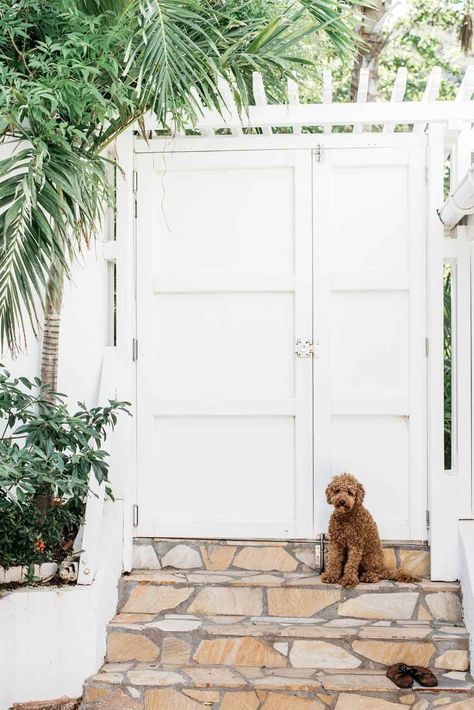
(329, 491)
(360, 492)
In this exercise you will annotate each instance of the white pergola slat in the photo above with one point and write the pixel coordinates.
(362, 115)
(362, 91)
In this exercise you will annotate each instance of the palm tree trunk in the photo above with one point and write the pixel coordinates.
(371, 43)
(52, 323)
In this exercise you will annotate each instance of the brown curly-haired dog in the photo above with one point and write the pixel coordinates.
(355, 550)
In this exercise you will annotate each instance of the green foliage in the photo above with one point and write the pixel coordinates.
(448, 366)
(47, 456)
(75, 73)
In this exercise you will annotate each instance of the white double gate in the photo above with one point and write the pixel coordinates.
(243, 257)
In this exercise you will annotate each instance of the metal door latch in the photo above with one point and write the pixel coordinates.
(304, 347)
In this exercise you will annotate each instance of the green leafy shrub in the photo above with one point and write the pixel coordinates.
(47, 456)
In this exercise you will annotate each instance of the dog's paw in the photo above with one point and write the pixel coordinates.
(348, 582)
(328, 578)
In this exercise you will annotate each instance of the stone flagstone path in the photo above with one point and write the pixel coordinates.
(250, 626)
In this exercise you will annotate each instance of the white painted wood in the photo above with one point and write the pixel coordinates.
(327, 93)
(201, 110)
(224, 290)
(362, 91)
(430, 94)
(370, 372)
(91, 538)
(293, 99)
(398, 92)
(229, 109)
(260, 96)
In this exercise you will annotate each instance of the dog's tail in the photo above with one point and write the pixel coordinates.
(396, 575)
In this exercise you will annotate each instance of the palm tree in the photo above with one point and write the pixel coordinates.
(74, 74)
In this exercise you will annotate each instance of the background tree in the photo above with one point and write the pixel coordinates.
(74, 74)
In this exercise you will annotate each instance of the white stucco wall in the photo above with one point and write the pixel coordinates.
(52, 639)
(466, 566)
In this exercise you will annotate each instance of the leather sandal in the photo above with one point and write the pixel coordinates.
(401, 675)
(423, 676)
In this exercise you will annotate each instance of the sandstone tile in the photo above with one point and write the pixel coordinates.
(227, 620)
(327, 699)
(155, 678)
(415, 562)
(130, 647)
(212, 677)
(281, 647)
(182, 557)
(242, 629)
(240, 701)
(467, 704)
(344, 623)
(317, 632)
(350, 701)
(389, 557)
(441, 701)
(262, 694)
(306, 556)
(92, 694)
(394, 632)
(256, 543)
(300, 602)
(144, 557)
(154, 600)
(320, 654)
(126, 618)
(445, 606)
(453, 660)
(277, 701)
(114, 678)
(175, 651)
(245, 651)
(227, 600)
(288, 620)
(285, 683)
(217, 557)
(118, 700)
(455, 675)
(408, 699)
(398, 605)
(265, 559)
(206, 578)
(389, 652)
(204, 696)
(423, 613)
(260, 580)
(367, 682)
(116, 667)
(175, 625)
(169, 700)
(133, 692)
(421, 705)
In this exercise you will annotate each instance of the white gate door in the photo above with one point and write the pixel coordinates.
(224, 290)
(370, 373)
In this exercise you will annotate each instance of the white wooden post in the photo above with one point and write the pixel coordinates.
(362, 92)
(230, 107)
(398, 92)
(293, 100)
(430, 94)
(260, 97)
(327, 93)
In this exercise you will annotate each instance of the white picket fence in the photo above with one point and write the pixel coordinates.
(362, 115)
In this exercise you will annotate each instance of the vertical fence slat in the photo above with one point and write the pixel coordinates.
(430, 94)
(229, 104)
(362, 92)
(327, 93)
(293, 100)
(197, 100)
(260, 97)
(398, 92)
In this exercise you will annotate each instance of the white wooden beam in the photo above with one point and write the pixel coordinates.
(398, 93)
(362, 92)
(201, 110)
(327, 93)
(404, 112)
(260, 97)
(430, 94)
(293, 100)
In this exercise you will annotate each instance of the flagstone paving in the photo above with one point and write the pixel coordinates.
(250, 626)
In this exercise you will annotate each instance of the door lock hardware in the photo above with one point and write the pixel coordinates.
(304, 347)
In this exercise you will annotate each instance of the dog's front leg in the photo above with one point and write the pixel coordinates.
(351, 569)
(333, 572)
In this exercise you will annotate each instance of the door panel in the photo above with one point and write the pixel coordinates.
(224, 289)
(370, 321)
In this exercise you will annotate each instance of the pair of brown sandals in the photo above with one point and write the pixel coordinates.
(403, 675)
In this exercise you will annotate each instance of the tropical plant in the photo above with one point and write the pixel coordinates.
(75, 73)
(47, 456)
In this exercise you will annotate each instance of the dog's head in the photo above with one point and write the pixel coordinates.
(345, 492)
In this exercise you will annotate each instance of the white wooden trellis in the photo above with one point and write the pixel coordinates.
(446, 119)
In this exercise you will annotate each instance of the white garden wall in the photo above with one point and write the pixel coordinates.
(53, 639)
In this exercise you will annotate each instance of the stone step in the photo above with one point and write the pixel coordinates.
(285, 594)
(261, 555)
(286, 643)
(138, 686)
